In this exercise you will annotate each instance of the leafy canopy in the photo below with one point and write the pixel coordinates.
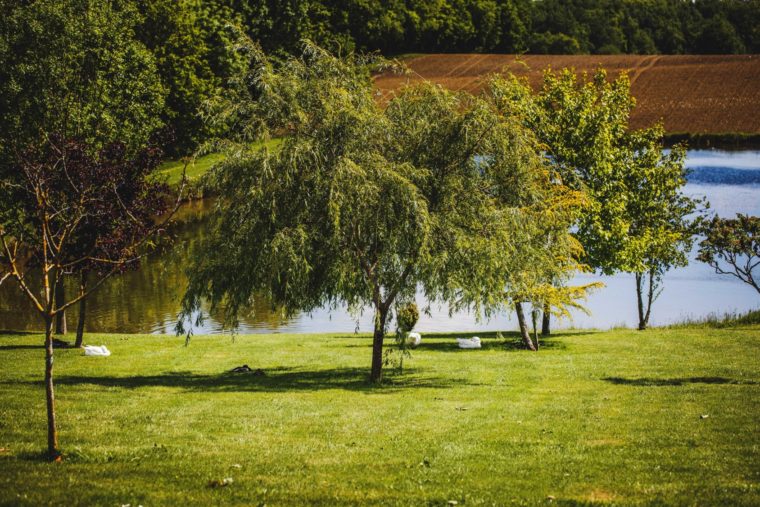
(637, 219)
(75, 69)
(362, 203)
(636, 213)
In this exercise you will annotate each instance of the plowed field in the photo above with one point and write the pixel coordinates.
(691, 94)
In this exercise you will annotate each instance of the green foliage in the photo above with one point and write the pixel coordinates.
(727, 320)
(361, 204)
(513, 26)
(192, 43)
(731, 246)
(74, 69)
(407, 317)
(636, 219)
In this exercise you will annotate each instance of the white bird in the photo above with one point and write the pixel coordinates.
(469, 343)
(95, 350)
(413, 339)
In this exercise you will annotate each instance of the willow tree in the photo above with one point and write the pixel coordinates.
(363, 202)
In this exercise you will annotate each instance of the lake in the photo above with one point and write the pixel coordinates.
(147, 300)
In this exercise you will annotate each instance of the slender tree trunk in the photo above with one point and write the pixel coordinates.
(60, 300)
(524, 327)
(640, 300)
(645, 300)
(54, 452)
(82, 309)
(645, 314)
(546, 322)
(534, 319)
(650, 300)
(381, 314)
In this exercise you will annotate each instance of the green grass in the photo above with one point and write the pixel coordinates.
(172, 169)
(715, 320)
(196, 168)
(593, 418)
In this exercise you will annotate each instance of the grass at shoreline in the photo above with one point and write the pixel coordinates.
(197, 167)
(593, 418)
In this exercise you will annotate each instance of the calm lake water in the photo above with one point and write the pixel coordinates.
(147, 300)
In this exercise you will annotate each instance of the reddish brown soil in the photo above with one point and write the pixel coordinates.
(691, 94)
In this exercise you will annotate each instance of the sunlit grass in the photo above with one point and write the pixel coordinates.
(714, 320)
(195, 168)
(667, 416)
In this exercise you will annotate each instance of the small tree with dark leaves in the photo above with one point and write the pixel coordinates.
(69, 210)
(732, 247)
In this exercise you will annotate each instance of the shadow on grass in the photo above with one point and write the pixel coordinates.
(37, 456)
(275, 380)
(21, 347)
(675, 381)
(489, 341)
(16, 332)
(505, 345)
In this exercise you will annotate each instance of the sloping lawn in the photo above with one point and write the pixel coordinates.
(172, 169)
(196, 168)
(666, 417)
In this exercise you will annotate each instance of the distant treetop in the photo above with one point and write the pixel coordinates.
(508, 26)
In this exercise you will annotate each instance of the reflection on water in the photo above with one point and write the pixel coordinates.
(147, 300)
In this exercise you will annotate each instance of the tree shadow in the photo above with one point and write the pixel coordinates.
(36, 456)
(511, 342)
(679, 381)
(490, 340)
(274, 380)
(16, 332)
(21, 347)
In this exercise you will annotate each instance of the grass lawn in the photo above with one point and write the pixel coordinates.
(593, 418)
(172, 169)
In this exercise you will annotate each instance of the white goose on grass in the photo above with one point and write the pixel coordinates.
(469, 343)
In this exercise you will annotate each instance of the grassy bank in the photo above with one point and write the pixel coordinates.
(668, 416)
(197, 167)
(727, 141)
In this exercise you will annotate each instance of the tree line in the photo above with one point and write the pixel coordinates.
(509, 26)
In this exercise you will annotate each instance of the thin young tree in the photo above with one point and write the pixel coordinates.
(74, 69)
(637, 219)
(547, 259)
(363, 203)
(63, 194)
(662, 221)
